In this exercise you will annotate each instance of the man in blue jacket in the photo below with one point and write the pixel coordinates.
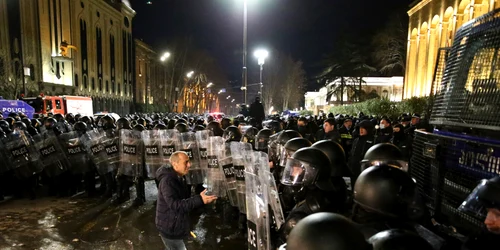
(175, 202)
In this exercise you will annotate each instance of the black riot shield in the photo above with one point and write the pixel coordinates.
(76, 152)
(6, 163)
(153, 152)
(23, 155)
(96, 149)
(226, 166)
(130, 151)
(170, 140)
(52, 157)
(187, 143)
(215, 177)
(257, 202)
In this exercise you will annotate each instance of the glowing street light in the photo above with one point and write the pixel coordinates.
(165, 56)
(261, 55)
(210, 84)
(190, 74)
(227, 98)
(232, 100)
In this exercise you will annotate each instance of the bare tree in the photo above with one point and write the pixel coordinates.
(294, 88)
(390, 44)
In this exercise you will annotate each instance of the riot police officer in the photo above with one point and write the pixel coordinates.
(384, 153)
(308, 169)
(396, 239)
(484, 202)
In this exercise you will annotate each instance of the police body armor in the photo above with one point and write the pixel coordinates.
(215, 177)
(187, 143)
(76, 152)
(23, 155)
(153, 153)
(257, 212)
(52, 157)
(130, 151)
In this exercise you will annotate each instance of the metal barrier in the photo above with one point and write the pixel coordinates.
(447, 169)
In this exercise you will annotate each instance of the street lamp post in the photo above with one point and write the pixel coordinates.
(163, 58)
(261, 57)
(245, 3)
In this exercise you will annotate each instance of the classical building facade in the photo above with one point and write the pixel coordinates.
(72, 47)
(432, 25)
(385, 87)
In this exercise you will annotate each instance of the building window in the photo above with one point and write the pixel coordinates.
(126, 22)
(58, 104)
(125, 88)
(119, 89)
(107, 86)
(113, 86)
(85, 84)
(100, 84)
(93, 84)
(76, 80)
(385, 94)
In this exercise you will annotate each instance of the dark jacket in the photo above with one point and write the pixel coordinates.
(333, 136)
(359, 148)
(384, 135)
(257, 111)
(174, 204)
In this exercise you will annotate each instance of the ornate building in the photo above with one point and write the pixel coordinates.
(432, 25)
(72, 47)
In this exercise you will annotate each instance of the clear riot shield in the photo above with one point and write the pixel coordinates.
(111, 147)
(153, 152)
(257, 202)
(130, 151)
(215, 177)
(242, 157)
(273, 151)
(95, 146)
(52, 157)
(169, 142)
(226, 166)
(274, 200)
(203, 140)
(76, 153)
(187, 143)
(23, 155)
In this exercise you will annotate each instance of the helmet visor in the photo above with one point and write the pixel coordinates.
(261, 143)
(284, 155)
(403, 165)
(297, 173)
(474, 204)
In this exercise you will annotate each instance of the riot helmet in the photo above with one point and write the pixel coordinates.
(387, 191)
(70, 118)
(36, 123)
(291, 147)
(336, 154)
(249, 135)
(5, 126)
(384, 153)
(160, 126)
(26, 122)
(80, 127)
(50, 123)
(215, 128)
(275, 126)
(308, 167)
(262, 140)
(139, 127)
(171, 124)
(86, 119)
(198, 128)
(10, 121)
(485, 196)
(181, 120)
(326, 231)
(19, 126)
(59, 117)
(397, 239)
(210, 119)
(107, 122)
(142, 121)
(286, 135)
(225, 122)
(182, 127)
(232, 133)
(123, 123)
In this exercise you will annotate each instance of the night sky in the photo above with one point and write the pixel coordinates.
(306, 29)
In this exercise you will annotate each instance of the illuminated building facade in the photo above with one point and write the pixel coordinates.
(71, 47)
(432, 25)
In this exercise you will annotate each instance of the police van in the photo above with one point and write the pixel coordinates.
(465, 145)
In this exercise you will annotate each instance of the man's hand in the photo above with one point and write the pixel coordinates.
(207, 198)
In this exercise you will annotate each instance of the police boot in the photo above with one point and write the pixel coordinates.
(121, 192)
(89, 182)
(109, 186)
(140, 189)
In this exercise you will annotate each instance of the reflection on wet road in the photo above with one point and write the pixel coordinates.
(84, 223)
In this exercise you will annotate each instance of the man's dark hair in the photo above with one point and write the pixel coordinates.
(387, 120)
(330, 121)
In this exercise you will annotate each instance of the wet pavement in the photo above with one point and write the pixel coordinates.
(85, 223)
